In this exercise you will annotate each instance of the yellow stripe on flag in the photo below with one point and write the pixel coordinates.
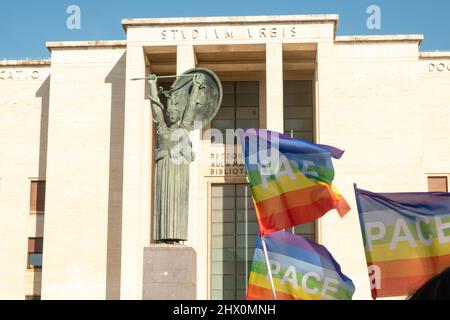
(403, 250)
(275, 188)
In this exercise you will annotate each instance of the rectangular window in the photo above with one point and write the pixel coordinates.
(35, 248)
(298, 123)
(437, 184)
(37, 197)
(305, 230)
(240, 107)
(298, 109)
(234, 231)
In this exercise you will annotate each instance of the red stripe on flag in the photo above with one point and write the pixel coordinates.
(259, 293)
(401, 286)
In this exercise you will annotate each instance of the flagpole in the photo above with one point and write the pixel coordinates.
(269, 268)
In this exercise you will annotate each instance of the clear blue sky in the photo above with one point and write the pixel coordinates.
(25, 26)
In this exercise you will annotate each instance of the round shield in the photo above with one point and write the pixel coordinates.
(200, 91)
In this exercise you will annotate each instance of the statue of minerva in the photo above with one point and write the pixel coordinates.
(192, 102)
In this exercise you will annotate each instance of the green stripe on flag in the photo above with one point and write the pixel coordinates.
(323, 175)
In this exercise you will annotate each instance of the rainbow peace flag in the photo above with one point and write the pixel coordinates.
(290, 179)
(301, 270)
(406, 238)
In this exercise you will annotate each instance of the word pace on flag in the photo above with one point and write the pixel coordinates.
(301, 270)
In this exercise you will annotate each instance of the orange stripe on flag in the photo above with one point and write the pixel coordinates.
(413, 267)
(286, 218)
(300, 198)
(296, 198)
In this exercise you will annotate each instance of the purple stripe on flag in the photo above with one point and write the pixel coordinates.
(299, 242)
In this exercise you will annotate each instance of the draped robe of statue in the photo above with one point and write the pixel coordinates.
(173, 155)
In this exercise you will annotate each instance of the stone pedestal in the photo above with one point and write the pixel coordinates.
(170, 273)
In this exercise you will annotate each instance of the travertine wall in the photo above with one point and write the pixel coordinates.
(24, 87)
(434, 90)
(84, 176)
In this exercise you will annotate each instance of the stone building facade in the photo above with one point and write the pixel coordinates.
(77, 138)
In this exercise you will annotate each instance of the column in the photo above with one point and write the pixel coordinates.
(185, 58)
(274, 87)
(136, 176)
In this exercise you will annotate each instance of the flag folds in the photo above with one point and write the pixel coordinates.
(406, 238)
(290, 179)
(301, 270)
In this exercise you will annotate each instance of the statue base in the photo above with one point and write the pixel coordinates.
(170, 272)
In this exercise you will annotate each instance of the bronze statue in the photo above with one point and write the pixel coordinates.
(192, 101)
